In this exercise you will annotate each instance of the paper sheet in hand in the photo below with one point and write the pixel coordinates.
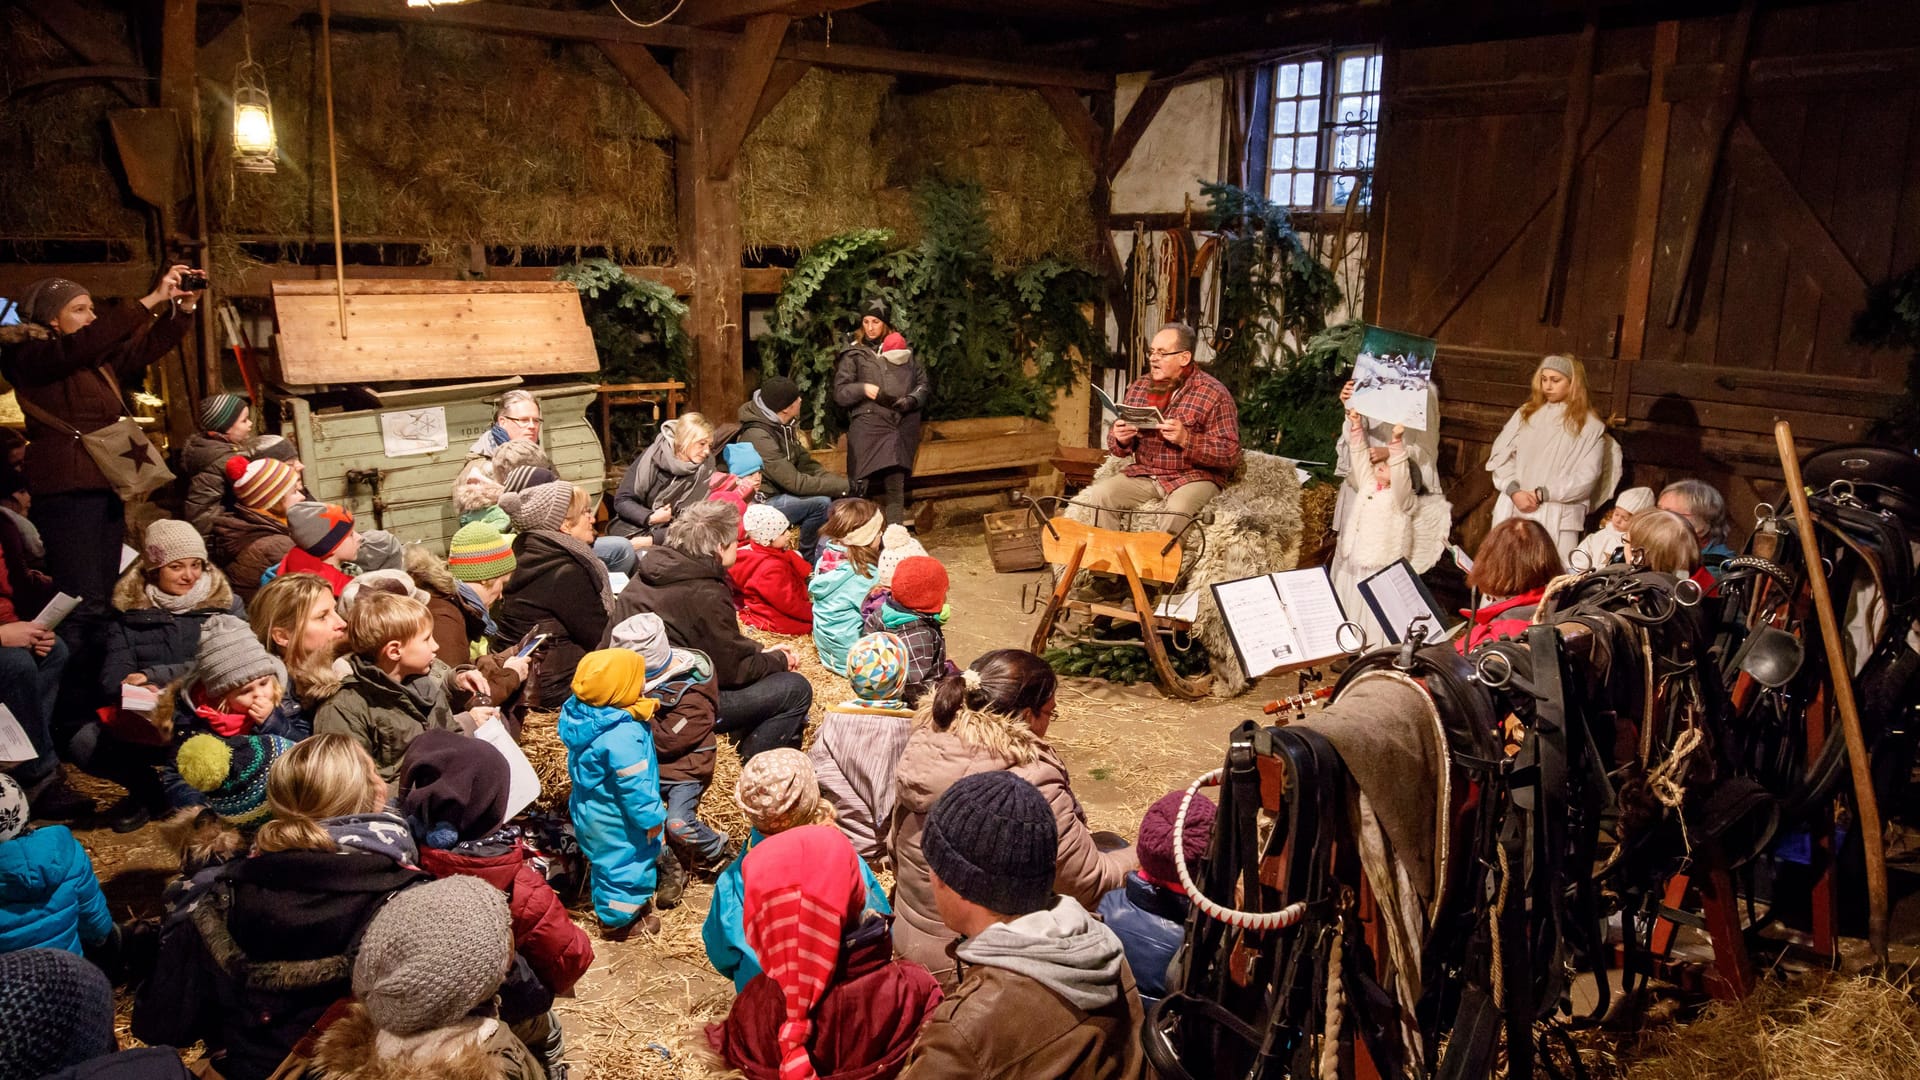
(1391, 376)
(1400, 601)
(1283, 620)
(1144, 417)
(523, 784)
(414, 431)
(15, 747)
(139, 699)
(57, 610)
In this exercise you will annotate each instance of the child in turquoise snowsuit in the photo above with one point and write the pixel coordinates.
(617, 812)
(847, 571)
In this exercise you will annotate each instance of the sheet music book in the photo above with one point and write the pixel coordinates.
(1282, 620)
(1400, 600)
(1144, 417)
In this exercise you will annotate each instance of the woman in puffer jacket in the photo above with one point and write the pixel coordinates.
(992, 716)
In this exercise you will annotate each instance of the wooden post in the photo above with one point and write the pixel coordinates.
(179, 55)
(710, 242)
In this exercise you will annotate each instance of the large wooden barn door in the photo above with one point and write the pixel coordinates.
(1693, 208)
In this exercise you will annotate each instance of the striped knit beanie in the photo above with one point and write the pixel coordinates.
(261, 484)
(522, 477)
(232, 773)
(542, 506)
(480, 553)
(319, 528)
(219, 411)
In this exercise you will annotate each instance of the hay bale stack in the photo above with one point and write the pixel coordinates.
(814, 167)
(1256, 529)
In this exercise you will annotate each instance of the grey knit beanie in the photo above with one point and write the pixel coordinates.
(991, 837)
(542, 506)
(1561, 364)
(43, 300)
(380, 550)
(433, 954)
(56, 1010)
(170, 538)
(522, 477)
(230, 656)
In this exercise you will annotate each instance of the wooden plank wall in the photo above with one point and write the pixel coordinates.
(1816, 193)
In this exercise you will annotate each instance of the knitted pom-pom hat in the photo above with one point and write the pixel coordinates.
(232, 772)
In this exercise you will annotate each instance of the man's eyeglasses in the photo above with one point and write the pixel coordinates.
(1160, 353)
(523, 421)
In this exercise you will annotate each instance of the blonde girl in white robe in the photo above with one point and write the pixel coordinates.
(1548, 461)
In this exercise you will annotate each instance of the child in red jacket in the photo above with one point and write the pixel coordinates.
(453, 791)
(769, 577)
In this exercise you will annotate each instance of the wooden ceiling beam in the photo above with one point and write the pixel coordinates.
(577, 26)
(654, 84)
(748, 68)
(719, 12)
(87, 39)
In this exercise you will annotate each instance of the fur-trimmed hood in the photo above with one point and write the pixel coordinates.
(974, 742)
(476, 489)
(130, 592)
(476, 1048)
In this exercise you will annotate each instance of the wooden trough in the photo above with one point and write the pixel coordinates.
(970, 457)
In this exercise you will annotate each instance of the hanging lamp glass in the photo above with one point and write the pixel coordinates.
(253, 135)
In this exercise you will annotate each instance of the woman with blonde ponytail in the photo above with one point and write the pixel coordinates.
(260, 948)
(993, 716)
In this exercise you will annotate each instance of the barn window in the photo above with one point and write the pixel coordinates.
(1325, 121)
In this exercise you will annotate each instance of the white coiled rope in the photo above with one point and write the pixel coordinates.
(1246, 920)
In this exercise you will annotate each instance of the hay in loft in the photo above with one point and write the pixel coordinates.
(455, 138)
(59, 170)
(814, 166)
(1008, 141)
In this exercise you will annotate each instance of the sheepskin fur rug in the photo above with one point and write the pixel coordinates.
(1255, 530)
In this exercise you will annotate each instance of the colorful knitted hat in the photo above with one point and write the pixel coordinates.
(742, 459)
(992, 838)
(877, 669)
(764, 524)
(277, 447)
(169, 539)
(232, 772)
(480, 553)
(318, 528)
(56, 1011)
(896, 546)
(1156, 837)
(920, 584)
(778, 790)
(230, 656)
(219, 411)
(263, 483)
(542, 506)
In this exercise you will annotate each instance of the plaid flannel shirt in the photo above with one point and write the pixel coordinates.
(1212, 452)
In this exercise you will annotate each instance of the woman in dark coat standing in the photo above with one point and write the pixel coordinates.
(884, 390)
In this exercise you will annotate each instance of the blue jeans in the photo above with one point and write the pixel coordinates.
(683, 819)
(617, 552)
(807, 511)
(766, 715)
(30, 688)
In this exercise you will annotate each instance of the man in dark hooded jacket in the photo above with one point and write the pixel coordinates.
(794, 483)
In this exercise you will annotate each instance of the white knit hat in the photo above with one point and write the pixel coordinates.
(13, 808)
(170, 538)
(764, 524)
(896, 544)
(1634, 500)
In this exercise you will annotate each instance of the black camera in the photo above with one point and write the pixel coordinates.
(193, 280)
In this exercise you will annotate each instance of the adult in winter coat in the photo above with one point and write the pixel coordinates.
(255, 954)
(559, 586)
(476, 491)
(74, 379)
(49, 897)
(1550, 461)
(1511, 572)
(992, 717)
(668, 477)
(831, 1000)
(226, 429)
(160, 605)
(884, 390)
(792, 482)
(763, 699)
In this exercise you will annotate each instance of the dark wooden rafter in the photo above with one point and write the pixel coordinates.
(95, 47)
(748, 67)
(717, 12)
(653, 83)
(1076, 119)
(786, 74)
(1573, 127)
(1714, 128)
(1130, 130)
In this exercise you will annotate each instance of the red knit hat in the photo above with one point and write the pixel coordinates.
(1155, 844)
(920, 584)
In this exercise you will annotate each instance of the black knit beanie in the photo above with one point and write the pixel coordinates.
(877, 308)
(453, 788)
(779, 392)
(992, 839)
(56, 1010)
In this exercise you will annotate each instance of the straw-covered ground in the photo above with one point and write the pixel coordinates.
(641, 1011)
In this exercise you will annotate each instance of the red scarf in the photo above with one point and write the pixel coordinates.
(223, 723)
(799, 889)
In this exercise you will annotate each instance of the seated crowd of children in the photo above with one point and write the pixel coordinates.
(312, 713)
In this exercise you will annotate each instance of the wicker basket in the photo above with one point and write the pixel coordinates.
(1013, 541)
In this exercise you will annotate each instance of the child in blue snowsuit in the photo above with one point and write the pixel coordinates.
(617, 812)
(49, 897)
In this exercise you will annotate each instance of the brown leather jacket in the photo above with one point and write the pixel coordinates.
(1002, 1024)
